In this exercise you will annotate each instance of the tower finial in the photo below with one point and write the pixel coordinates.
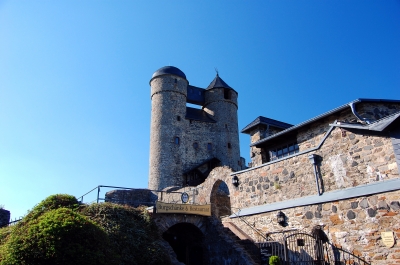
(216, 70)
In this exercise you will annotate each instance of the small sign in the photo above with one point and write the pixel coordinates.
(387, 239)
(300, 242)
(162, 207)
(184, 197)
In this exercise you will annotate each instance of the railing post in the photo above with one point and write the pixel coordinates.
(98, 193)
(285, 250)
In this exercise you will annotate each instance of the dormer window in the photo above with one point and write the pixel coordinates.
(283, 151)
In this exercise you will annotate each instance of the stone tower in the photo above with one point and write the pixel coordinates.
(187, 143)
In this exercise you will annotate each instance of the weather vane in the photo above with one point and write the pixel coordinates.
(216, 70)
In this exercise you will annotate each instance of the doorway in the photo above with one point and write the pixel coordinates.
(187, 241)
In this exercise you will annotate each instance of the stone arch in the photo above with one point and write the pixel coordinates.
(220, 199)
(166, 221)
(187, 241)
(218, 174)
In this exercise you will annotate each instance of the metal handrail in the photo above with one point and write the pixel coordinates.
(247, 223)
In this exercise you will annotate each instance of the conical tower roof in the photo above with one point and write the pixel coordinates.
(218, 83)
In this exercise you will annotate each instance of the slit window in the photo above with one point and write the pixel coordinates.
(177, 140)
(209, 146)
(229, 145)
(195, 145)
(227, 93)
(178, 118)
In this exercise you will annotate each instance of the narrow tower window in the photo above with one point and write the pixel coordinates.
(229, 145)
(177, 141)
(227, 93)
(209, 146)
(178, 118)
(195, 145)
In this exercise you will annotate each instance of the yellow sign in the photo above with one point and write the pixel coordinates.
(387, 239)
(162, 207)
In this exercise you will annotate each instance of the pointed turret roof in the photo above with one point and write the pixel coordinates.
(218, 83)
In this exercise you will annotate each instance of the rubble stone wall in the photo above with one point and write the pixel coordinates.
(4, 217)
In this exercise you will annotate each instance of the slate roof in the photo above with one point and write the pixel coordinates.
(307, 122)
(197, 115)
(265, 121)
(169, 70)
(218, 83)
(378, 126)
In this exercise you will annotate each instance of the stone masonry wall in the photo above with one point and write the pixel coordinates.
(169, 160)
(354, 224)
(349, 159)
(4, 217)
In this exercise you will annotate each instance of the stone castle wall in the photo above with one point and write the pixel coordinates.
(169, 159)
(4, 217)
(168, 97)
(353, 224)
(349, 159)
(225, 131)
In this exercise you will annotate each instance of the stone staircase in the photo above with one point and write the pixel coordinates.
(242, 239)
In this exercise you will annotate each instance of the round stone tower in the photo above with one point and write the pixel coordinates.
(168, 109)
(221, 104)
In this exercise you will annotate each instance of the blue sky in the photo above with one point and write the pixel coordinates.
(74, 77)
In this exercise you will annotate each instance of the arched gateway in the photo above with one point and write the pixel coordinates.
(187, 241)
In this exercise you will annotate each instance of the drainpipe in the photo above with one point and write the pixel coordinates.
(353, 109)
(313, 159)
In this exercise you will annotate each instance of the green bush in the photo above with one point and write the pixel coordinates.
(51, 203)
(133, 236)
(59, 236)
(4, 233)
(59, 231)
(274, 260)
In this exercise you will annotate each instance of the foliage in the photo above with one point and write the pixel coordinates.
(274, 260)
(4, 233)
(276, 185)
(51, 203)
(133, 235)
(60, 236)
(60, 231)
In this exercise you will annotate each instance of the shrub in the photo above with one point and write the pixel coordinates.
(4, 233)
(274, 260)
(51, 203)
(59, 236)
(133, 235)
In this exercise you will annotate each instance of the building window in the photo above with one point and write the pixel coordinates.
(195, 145)
(209, 146)
(178, 118)
(282, 151)
(177, 141)
(229, 145)
(227, 93)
